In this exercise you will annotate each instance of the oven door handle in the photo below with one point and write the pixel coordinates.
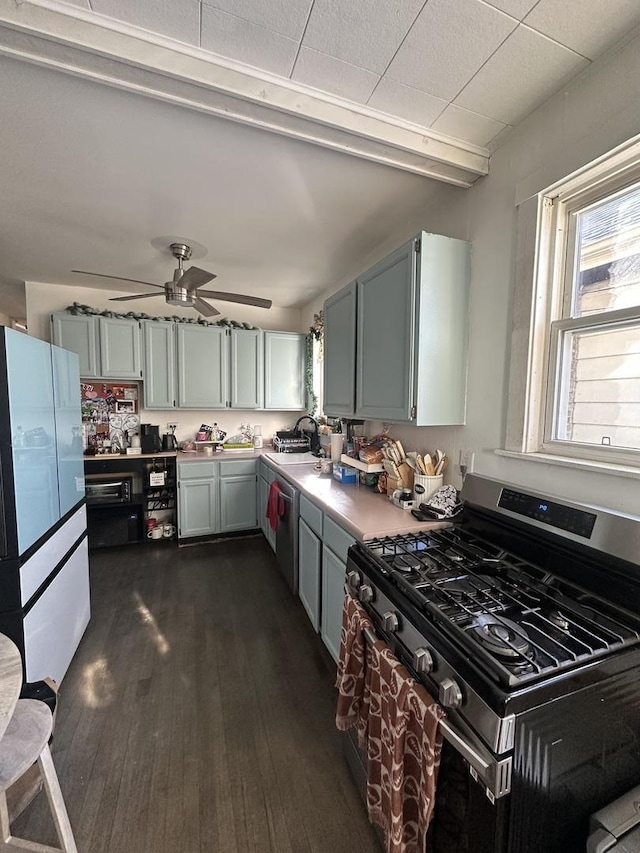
(494, 773)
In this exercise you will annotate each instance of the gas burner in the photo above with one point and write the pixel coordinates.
(455, 557)
(407, 563)
(500, 636)
(558, 619)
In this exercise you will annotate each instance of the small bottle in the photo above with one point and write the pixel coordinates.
(18, 438)
(257, 436)
(215, 433)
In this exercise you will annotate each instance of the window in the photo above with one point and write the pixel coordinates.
(582, 391)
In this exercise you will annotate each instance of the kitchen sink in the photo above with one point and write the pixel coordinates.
(291, 458)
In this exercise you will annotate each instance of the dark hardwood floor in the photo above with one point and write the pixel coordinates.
(198, 713)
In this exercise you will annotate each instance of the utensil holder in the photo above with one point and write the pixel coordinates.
(424, 487)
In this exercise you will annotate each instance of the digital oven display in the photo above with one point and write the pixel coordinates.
(567, 518)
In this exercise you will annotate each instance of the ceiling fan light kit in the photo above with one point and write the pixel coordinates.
(183, 291)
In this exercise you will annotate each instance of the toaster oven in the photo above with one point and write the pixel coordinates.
(108, 488)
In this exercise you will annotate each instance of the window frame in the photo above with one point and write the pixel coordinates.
(531, 412)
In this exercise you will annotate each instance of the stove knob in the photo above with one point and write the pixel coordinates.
(354, 580)
(365, 593)
(390, 622)
(450, 693)
(422, 661)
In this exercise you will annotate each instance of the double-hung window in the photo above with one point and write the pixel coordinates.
(583, 383)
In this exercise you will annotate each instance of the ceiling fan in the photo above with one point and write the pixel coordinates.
(184, 289)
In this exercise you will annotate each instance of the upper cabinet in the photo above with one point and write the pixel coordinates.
(159, 370)
(410, 342)
(189, 365)
(203, 379)
(246, 369)
(340, 352)
(78, 333)
(108, 347)
(119, 348)
(284, 360)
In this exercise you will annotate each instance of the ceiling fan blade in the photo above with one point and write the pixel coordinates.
(204, 307)
(194, 277)
(137, 296)
(118, 277)
(243, 299)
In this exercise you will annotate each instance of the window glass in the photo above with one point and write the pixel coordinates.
(607, 258)
(599, 389)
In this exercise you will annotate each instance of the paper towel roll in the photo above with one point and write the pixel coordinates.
(337, 440)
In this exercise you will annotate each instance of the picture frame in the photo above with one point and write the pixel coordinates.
(125, 407)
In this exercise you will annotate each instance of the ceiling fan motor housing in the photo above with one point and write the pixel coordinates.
(177, 295)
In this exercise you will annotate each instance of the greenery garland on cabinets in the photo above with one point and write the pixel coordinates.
(315, 333)
(77, 308)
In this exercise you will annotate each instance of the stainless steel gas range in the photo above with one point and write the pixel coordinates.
(524, 620)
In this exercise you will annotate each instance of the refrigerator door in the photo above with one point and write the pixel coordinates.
(33, 435)
(66, 393)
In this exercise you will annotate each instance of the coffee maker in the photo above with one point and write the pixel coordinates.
(150, 438)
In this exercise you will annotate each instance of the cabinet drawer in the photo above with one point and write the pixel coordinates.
(336, 538)
(311, 514)
(196, 470)
(238, 466)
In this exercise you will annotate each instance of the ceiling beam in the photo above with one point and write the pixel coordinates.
(71, 40)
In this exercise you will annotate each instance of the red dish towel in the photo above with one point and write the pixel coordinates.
(352, 709)
(403, 751)
(275, 505)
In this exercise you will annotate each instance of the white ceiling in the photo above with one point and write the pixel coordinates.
(91, 174)
(467, 68)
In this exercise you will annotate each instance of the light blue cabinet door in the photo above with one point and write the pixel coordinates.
(333, 577)
(203, 367)
(386, 337)
(80, 335)
(119, 348)
(66, 392)
(309, 568)
(247, 369)
(159, 377)
(197, 507)
(33, 434)
(238, 503)
(340, 352)
(284, 354)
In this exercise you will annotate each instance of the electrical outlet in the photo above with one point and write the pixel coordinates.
(466, 462)
(172, 427)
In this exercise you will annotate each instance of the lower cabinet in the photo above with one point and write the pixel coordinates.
(238, 496)
(197, 499)
(216, 497)
(333, 577)
(309, 568)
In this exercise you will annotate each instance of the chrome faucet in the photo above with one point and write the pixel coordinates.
(314, 441)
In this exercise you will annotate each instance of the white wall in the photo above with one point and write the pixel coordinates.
(596, 113)
(44, 299)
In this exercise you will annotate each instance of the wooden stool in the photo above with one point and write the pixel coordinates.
(25, 741)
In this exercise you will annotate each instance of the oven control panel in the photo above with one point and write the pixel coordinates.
(566, 518)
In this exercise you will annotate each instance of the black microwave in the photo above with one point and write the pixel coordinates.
(103, 488)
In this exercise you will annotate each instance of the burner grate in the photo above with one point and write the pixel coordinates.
(465, 584)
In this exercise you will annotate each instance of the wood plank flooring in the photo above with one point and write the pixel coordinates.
(198, 713)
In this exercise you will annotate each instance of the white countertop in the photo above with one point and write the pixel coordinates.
(359, 509)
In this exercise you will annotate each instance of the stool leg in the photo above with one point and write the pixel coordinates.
(56, 802)
(9, 842)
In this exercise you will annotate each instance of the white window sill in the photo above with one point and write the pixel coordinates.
(573, 462)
